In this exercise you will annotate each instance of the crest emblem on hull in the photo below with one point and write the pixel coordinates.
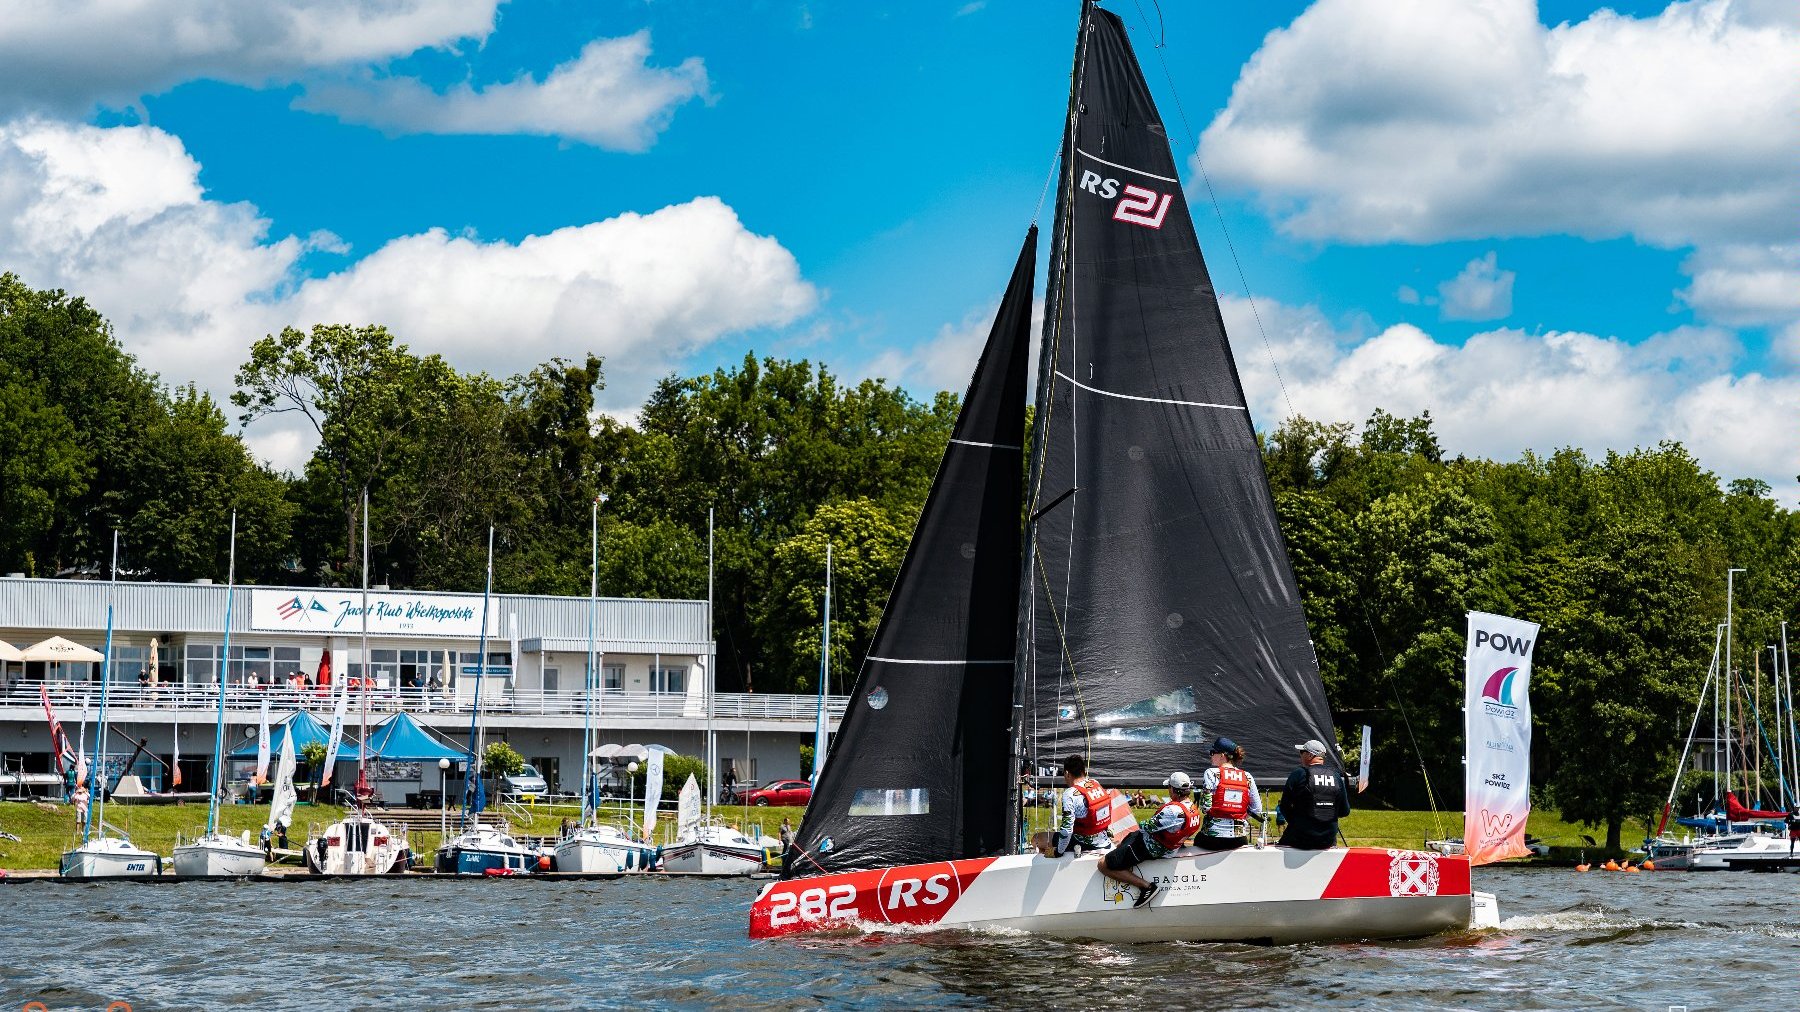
(1412, 873)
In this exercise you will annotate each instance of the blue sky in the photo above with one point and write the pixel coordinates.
(1425, 194)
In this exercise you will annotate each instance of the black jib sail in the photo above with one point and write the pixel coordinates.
(1159, 608)
(920, 772)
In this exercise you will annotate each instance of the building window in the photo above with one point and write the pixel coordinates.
(202, 663)
(612, 678)
(668, 679)
(550, 678)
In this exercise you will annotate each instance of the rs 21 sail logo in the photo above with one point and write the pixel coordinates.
(1139, 205)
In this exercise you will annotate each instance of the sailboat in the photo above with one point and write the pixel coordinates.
(1147, 605)
(481, 849)
(593, 849)
(99, 855)
(703, 848)
(216, 854)
(359, 844)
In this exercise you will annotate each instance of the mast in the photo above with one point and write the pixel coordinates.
(1712, 670)
(97, 778)
(1787, 672)
(472, 782)
(819, 738)
(1780, 745)
(1756, 709)
(368, 661)
(587, 727)
(1730, 576)
(218, 770)
(712, 772)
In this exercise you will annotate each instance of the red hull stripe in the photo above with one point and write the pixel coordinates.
(1370, 872)
(908, 894)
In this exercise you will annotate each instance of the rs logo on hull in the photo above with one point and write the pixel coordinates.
(1139, 206)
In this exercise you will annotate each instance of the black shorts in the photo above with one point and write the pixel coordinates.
(1131, 852)
(1220, 842)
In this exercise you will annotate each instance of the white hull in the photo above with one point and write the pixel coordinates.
(588, 852)
(356, 846)
(1269, 894)
(110, 857)
(1752, 853)
(218, 857)
(712, 859)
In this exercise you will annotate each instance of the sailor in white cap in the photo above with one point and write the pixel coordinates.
(1173, 822)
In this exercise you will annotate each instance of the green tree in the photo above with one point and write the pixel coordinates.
(866, 551)
(500, 760)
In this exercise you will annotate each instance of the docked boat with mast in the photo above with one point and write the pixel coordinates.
(216, 854)
(481, 849)
(358, 844)
(591, 848)
(99, 855)
(1147, 605)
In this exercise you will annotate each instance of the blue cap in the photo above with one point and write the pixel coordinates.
(1225, 745)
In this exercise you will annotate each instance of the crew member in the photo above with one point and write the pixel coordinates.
(1082, 816)
(1229, 798)
(1173, 822)
(1314, 798)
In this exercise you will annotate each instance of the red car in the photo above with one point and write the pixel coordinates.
(782, 793)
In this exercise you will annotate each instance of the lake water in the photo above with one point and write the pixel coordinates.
(1645, 941)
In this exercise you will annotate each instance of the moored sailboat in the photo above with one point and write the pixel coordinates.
(593, 849)
(99, 855)
(702, 848)
(1153, 607)
(216, 854)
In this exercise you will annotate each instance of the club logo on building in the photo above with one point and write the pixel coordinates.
(1412, 873)
(1497, 694)
(299, 609)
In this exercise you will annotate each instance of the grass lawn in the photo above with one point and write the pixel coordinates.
(49, 829)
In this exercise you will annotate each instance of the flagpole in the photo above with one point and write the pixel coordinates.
(472, 782)
(218, 771)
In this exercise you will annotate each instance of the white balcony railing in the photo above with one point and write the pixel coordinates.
(68, 698)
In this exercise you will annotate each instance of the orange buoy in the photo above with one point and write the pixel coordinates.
(1630, 868)
(1611, 865)
(1648, 866)
(1582, 867)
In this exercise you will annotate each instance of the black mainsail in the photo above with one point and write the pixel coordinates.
(921, 768)
(1159, 608)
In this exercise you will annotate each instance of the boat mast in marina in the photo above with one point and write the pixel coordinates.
(218, 770)
(97, 779)
(474, 798)
(819, 731)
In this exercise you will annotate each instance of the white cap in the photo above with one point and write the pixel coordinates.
(1313, 746)
(1180, 781)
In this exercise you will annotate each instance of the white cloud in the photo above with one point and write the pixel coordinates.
(118, 216)
(1746, 284)
(1505, 391)
(946, 360)
(67, 55)
(1418, 120)
(608, 96)
(1481, 291)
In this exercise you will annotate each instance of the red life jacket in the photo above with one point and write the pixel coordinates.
(1099, 808)
(1232, 799)
(1190, 824)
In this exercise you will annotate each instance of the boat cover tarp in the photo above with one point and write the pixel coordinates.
(1736, 809)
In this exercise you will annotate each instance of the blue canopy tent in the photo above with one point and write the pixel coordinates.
(400, 738)
(402, 752)
(305, 729)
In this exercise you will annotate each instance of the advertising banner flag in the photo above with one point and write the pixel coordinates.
(335, 739)
(653, 777)
(262, 745)
(1497, 719)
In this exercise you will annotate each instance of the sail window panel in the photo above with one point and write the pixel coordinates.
(880, 801)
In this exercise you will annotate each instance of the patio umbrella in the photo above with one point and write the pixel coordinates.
(58, 649)
(155, 675)
(8, 652)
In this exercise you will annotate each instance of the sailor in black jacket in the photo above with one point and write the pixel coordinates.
(1313, 800)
